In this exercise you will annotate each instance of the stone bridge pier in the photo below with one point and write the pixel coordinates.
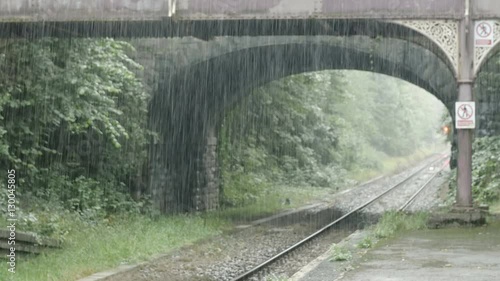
(184, 170)
(207, 188)
(184, 167)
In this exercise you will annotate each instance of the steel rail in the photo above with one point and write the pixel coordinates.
(412, 199)
(295, 246)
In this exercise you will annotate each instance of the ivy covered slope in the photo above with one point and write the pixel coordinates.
(486, 170)
(320, 129)
(485, 173)
(72, 119)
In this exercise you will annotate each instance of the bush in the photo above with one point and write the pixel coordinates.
(245, 189)
(486, 169)
(74, 117)
(340, 253)
(485, 172)
(392, 222)
(366, 243)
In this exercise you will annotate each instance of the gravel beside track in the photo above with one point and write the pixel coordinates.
(221, 258)
(352, 198)
(226, 256)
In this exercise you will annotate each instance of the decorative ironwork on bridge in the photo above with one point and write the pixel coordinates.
(443, 33)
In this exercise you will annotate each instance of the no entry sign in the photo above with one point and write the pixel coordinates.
(484, 33)
(465, 115)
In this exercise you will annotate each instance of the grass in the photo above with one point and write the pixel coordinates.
(276, 278)
(389, 225)
(366, 243)
(393, 222)
(390, 164)
(495, 208)
(271, 202)
(93, 249)
(340, 253)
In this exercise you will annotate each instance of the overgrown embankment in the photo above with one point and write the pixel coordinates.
(73, 119)
(485, 173)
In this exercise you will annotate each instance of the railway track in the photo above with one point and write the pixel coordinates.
(408, 203)
(261, 269)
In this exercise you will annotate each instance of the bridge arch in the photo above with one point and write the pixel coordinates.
(198, 95)
(437, 36)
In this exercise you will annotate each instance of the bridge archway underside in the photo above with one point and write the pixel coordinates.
(198, 95)
(234, 70)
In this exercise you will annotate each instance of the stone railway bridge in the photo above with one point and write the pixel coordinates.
(219, 50)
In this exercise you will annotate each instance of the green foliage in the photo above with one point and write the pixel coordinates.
(268, 202)
(48, 224)
(393, 222)
(316, 128)
(61, 97)
(485, 172)
(245, 190)
(124, 240)
(486, 169)
(278, 136)
(340, 253)
(87, 196)
(366, 243)
(276, 278)
(487, 93)
(72, 123)
(390, 114)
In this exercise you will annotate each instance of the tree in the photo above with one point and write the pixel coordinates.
(73, 116)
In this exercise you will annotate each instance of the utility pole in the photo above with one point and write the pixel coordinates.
(465, 83)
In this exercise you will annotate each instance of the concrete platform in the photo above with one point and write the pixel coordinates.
(460, 216)
(439, 254)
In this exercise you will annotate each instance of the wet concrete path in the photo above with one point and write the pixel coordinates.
(445, 254)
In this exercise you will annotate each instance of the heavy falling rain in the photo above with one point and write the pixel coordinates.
(229, 140)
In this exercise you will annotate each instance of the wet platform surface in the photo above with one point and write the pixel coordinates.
(442, 254)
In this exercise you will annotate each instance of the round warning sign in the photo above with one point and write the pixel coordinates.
(484, 29)
(465, 111)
